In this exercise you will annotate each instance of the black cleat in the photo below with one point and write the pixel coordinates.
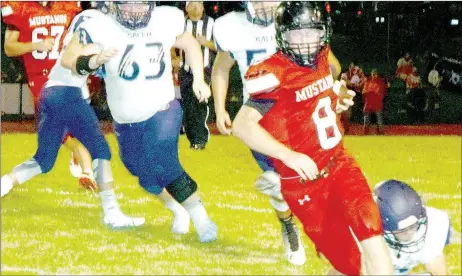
(198, 146)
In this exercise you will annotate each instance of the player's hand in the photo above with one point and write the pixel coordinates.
(45, 45)
(302, 164)
(344, 103)
(202, 40)
(223, 122)
(345, 96)
(202, 90)
(102, 57)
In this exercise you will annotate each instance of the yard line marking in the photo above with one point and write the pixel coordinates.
(24, 269)
(456, 237)
(243, 208)
(441, 196)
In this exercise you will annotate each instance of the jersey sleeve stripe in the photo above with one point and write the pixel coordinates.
(6, 11)
(261, 84)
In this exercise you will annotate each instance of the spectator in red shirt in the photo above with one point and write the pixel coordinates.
(404, 65)
(354, 79)
(373, 93)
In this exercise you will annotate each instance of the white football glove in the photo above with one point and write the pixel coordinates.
(345, 103)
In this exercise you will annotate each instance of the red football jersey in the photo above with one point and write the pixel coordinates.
(35, 22)
(303, 116)
(373, 94)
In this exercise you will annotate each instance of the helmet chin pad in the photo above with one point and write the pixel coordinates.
(263, 16)
(133, 14)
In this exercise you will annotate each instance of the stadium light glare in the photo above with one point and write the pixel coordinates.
(454, 22)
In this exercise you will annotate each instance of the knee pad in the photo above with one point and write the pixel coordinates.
(27, 170)
(102, 171)
(182, 188)
(269, 183)
(279, 205)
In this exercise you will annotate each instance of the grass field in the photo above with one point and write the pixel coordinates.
(51, 226)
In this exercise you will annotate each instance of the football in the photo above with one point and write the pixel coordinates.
(343, 93)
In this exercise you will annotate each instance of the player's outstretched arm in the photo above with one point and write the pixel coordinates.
(14, 48)
(437, 266)
(85, 59)
(220, 82)
(194, 58)
(247, 128)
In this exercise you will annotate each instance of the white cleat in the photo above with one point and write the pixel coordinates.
(74, 167)
(293, 244)
(181, 223)
(6, 185)
(118, 220)
(207, 231)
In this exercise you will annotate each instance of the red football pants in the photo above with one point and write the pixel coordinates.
(337, 212)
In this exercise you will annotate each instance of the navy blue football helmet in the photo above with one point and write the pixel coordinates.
(260, 13)
(103, 6)
(133, 14)
(404, 216)
(301, 31)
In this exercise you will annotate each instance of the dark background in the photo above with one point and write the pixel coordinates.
(421, 28)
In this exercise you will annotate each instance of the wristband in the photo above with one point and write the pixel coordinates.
(82, 66)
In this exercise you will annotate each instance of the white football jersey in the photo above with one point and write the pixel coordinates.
(65, 77)
(247, 42)
(435, 241)
(138, 78)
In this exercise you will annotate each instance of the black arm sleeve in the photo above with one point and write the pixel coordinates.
(261, 105)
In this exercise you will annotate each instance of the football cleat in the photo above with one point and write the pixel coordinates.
(118, 220)
(74, 167)
(198, 146)
(88, 182)
(207, 231)
(181, 223)
(6, 185)
(292, 243)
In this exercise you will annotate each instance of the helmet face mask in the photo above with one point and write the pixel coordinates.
(300, 31)
(260, 13)
(134, 14)
(410, 239)
(404, 216)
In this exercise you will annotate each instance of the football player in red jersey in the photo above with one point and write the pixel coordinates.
(290, 117)
(35, 33)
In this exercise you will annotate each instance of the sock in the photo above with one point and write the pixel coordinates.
(6, 184)
(287, 220)
(26, 170)
(195, 209)
(174, 206)
(109, 201)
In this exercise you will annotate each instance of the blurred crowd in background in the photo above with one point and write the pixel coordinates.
(403, 59)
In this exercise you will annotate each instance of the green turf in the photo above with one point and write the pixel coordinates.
(51, 226)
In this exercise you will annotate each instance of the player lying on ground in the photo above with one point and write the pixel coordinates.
(290, 117)
(415, 233)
